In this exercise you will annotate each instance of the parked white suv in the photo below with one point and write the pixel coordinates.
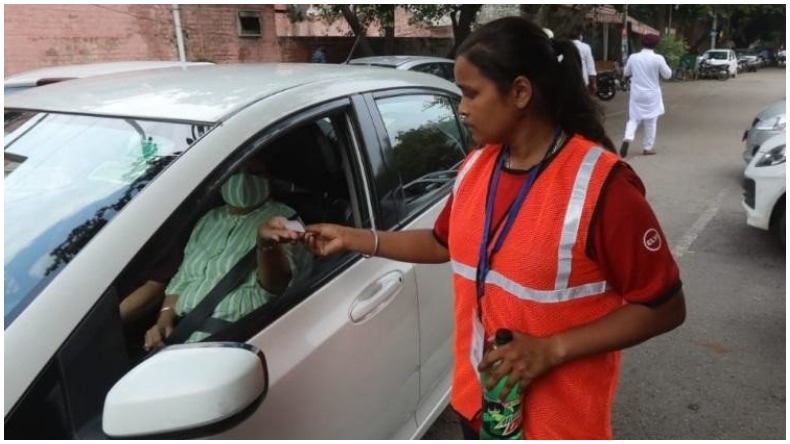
(719, 57)
(764, 187)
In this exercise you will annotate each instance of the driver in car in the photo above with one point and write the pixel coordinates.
(249, 219)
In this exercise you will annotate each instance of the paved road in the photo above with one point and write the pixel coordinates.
(721, 375)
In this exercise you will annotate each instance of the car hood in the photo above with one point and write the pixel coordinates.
(774, 109)
(717, 62)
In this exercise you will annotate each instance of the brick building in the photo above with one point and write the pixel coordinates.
(47, 35)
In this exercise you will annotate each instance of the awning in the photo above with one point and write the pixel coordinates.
(607, 14)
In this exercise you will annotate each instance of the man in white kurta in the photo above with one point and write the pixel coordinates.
(645, 103)
(588, 62)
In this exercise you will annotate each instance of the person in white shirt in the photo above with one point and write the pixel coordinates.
(588, 62)
(645, 103)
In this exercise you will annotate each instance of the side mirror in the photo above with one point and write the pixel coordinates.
(187, 391)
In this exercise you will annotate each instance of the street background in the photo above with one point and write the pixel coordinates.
(721, 375)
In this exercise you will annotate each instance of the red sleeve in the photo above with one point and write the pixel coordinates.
(628, 243)
(441, 228)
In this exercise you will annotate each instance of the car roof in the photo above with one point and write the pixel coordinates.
(397, 60)
(32, 78)
(210, 93)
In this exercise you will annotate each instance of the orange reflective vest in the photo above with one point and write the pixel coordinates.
(540, 283)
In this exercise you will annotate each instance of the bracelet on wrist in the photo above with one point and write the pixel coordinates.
(375, 244)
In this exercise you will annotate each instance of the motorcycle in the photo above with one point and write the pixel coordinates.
(610, 82)
(708, 70)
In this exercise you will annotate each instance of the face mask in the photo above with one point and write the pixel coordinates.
(244, 190)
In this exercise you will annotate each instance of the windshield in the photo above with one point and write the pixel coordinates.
(716, 55)
(66, 176)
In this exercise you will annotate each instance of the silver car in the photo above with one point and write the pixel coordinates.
(437, 66)
(768, 123)
(102, 173)
(52, 74)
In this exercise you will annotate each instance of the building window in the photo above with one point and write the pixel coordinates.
(249, 24)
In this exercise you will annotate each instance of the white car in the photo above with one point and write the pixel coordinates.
(437, 66)
(53, 74)
(764, 187)
(100, 173)
(768, 123)
(718, 57)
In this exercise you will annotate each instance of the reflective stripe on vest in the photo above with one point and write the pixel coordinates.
(530, 294)
(570, 227)
(465, 168)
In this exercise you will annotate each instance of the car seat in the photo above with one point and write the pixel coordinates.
(306, 175)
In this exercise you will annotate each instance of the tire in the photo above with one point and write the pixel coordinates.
(605, 92)
(723, 75)
(778, 224)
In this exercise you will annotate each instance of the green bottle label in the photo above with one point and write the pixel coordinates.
(502, 418)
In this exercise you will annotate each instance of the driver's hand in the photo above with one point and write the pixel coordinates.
(156, 335)
(280, 230)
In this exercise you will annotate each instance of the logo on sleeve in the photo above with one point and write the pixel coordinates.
(652, 240)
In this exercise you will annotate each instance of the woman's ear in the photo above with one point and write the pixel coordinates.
(522, 92)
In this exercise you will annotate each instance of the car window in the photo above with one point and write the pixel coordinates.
(716, 55)
(83, 170)
(448, 70)
(426, 139)
(437, 69)
(312, 176)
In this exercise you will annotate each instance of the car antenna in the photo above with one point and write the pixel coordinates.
(353, 47)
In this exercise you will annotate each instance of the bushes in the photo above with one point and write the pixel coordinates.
(672, 48)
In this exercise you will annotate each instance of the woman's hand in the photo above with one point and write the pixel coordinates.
(325, 239)
(280, 230)
(523, 360)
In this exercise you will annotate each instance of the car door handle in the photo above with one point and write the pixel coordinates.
(376, 295)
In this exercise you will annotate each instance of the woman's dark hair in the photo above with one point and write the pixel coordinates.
(512, 46)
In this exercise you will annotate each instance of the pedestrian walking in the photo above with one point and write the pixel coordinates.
(587, 60)
(645, 103)
(319, 55)
(549, 235)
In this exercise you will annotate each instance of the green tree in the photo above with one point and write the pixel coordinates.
(561, 19)
(462, 17)
(672, 48)
(742, 24)
(360, 18)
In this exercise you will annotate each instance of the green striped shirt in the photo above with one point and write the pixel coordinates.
(218, 241)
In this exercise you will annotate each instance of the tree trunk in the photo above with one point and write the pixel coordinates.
(462, 26)
(353, 22)
(388, 22)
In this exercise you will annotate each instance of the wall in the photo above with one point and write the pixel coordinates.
(211, 33)
(47, 35)
(299, 49)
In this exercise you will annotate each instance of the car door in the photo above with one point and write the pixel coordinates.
(343, 356)
(425, 149)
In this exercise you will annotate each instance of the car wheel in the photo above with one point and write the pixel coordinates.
(781, 227)
(778, 222)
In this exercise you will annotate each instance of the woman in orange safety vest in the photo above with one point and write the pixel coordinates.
(549, 235)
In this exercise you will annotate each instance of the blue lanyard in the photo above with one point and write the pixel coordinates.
(485, 257)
